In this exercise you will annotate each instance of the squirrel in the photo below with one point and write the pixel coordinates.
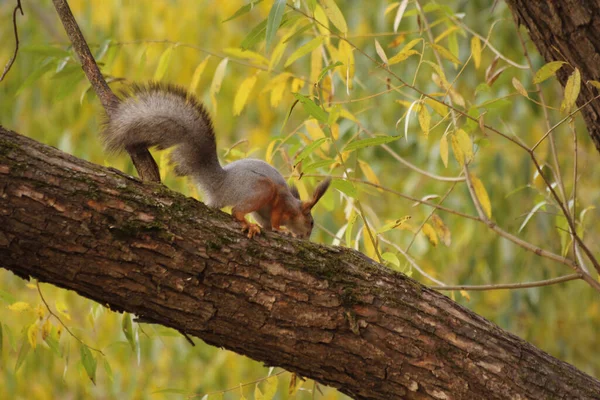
(166, 115)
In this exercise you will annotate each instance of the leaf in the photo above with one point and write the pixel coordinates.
(442, 51)
(243, 10)
(444, 150)
(547, 71)
(572, 89)
(217, 80)
(403, 55)
(89, 362)
(465, 294)
(32, 332)
(242, 94)
(399, 14)
(335, 15)
(482, 195)
(349, 227)
(271, 387)
(462, 147)
(63, 310)
(370, 243)
(311, 108)
(19, 306)
(53, 345)
(392, 259)
(517, 85)
(430, 234)
(361, 143)
(258, 395)
(310, 148)
(476, 51)
(274, 20)
(127, 328)
(531, 214)
(441, 229)
(316, 165)
(424, 119)
(163, 64)
(295, 384)
(595, 84)
(401, 223)
(197, 74)
(23, 351)
(304, 50)
(407, 120)
(368, 172)
(7, 297)
(380, 52)
(345, 187)
(438, 107)
(247, 55)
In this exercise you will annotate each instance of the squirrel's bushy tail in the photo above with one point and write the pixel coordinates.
(164, 115)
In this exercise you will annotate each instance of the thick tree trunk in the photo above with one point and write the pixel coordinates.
(568, 30)
(326, 313)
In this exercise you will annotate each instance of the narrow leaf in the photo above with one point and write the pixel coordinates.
(23, 351)
(215, 86)
(531, 214)
(403, 55)
(444, 150)
(127, 328)
(270, 387)
(380, 52)
(430, 234)
(441, 229)
(243, 10)
(311, 108)
(304, 50)
(242, 94)
(345, 187)
(572, 89)
(547, 71)
(399, 14)
(310, 148)
(335, 15)
(361, 143)
(476, 51)
(482, 195)
(89, 362)
(424, 119)
(274, 20)
(197, 74)
(163, 64)
(517, 85)
(444, 52)
(247, 55)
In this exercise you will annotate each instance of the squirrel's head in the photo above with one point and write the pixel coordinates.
(300, 223)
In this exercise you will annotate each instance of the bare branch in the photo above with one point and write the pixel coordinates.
(14, 56)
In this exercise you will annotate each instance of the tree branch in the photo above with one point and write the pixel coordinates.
(329, 314)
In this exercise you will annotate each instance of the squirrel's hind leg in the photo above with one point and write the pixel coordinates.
(264, 196)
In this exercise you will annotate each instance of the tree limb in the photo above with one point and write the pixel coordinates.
(329, 314)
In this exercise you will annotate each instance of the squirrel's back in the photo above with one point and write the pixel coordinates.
(164, 115)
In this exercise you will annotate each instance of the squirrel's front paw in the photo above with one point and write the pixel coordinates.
(252, 229)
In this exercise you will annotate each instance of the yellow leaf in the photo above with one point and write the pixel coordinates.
(380, 52)
(62, 309)
(163, 64)
(197, 74)
(40, 311)
(430, 233)
(247, 55)
(424, 119)
(368, 171)
(442, 35)
(277, 54)
(19, 306)
(547, 71)
(335, 15)
(271, 387)
(369, 245)
(476, 51)
(595, 84)
(303, 50)
(270, 149)
(295, 384)
(316, 64)
(258, 395)
(215, 86)
(277, 93)
(444, 150)
(571, 91)
(437, 107)
(32, 335)
(517, 85)
(462, 147)
(297, 84)
(401, 223)
(242, 94)
(346, 57)
(323, 22)
(482, 195)
(46, 329)
(441, 229)
(442, 51)
(403, 55)
(465, 295)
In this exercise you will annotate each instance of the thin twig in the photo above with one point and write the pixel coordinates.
(14, 56)
(60, 321)
(236, 387)
(498, 286)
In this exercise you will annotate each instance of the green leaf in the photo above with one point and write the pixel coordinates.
(391, 259)
(316, 165)
(53, 345)
(163, 64)
(335, 15)
(311, 108)
(310, 148)
(547, 71)
(304, 50)
(89, 362)
(128, 329)
(25, 347)
(243, 10)
(35, 76)
(7, 297)
(328, 68)
(444, 52)
(345, 187)
(274, 20)
(359, 144)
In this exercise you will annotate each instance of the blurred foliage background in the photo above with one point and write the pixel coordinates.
(46, 96)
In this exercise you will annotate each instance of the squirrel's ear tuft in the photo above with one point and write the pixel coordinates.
(319, 192)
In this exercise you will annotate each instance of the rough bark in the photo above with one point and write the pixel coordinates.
(568, 30)
(326, 313)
